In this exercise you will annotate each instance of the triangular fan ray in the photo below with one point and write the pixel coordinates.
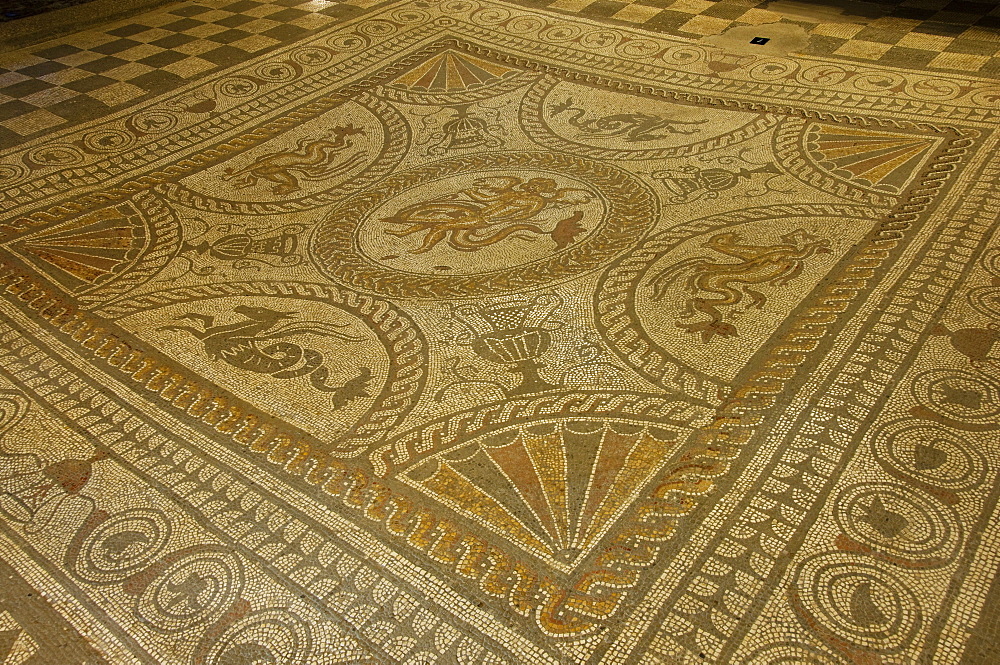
(515, 462)
(831, 149)
(454, 488)
(878, 167)
(624, 464)
(115, 237)
(549, 458)
(440, 80)
(92, 259)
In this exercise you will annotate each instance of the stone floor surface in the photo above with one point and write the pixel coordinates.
(487, 331)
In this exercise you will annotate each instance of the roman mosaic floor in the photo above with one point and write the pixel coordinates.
(482, 332)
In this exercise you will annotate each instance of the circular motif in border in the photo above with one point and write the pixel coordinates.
(351, 42)
(276, 72)
(485, 15)
(525, 25)
(630, 211)
(561, 32)
(11, 173)
(410, 15)
(991, 261)
(600, 39)
(878, 82)
(930, 454)
(377, 28)
(238, 86)
(312, 55)
(108, 140)
(635, 47)
(273, 636)
(773, 69)
(53, 154)
(934, 89)
(192, 591)
(532, 119)
(859, 601)
(791, 653)
(13, 406)
(986, 97)
(685, 55)
(986, 299)
(959, 395)
(825, 74)
(899, 522)
(153, 121)
(123, 545)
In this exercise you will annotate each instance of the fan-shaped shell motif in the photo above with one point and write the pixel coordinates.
(552, 487)
(450, 71)
(89, 249)
(879, 159)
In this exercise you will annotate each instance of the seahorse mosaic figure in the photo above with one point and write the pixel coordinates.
(634, 127)
(311, 159)
(727, 284)
(250, 345)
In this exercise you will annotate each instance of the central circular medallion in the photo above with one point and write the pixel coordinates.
(483, 224)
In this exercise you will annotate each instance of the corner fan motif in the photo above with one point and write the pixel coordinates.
(862, 164)
(552, 486)
(450, 71)
(881, 160)
(89, 249)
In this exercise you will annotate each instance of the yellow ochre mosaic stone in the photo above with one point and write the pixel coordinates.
(463, 331)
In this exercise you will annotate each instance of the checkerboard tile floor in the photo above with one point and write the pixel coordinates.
(945, 35)
(83, 76)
